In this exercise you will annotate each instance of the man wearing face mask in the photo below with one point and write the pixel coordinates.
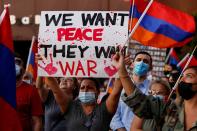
(177, 116)
(142, 64)
(29, 106)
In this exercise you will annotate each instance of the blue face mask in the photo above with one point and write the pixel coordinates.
(87, 97)
(140, 68)
(18, 70)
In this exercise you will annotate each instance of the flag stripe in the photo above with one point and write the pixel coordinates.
(152, 24)
(31, 65)
(165, 13)
(156, 40)
(9, 119)
(158, 31)
(5, 33)
(174, 59)
(32, 59)
(7, 76)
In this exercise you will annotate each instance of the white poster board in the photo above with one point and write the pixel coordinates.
(80, 43)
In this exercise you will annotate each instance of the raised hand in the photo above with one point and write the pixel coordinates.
(118, 61)
(48, 68)
(128, 60)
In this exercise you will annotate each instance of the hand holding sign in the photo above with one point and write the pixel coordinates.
(49, 68)
(110, 70)
(78, 42)
(118, 61)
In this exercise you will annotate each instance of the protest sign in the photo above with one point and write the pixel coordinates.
(80, 43)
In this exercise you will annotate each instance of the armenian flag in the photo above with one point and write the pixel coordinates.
(9, 120)
(162, 26)
(173, 58)
(183, 62)
(31, 65)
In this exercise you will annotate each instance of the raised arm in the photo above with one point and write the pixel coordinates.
(113, 99)
(43, 92)
(136, 124)
(128, 85)
(61, 98)
(37, 123)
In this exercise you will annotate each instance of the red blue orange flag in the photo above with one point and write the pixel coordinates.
(31, 65)
(162, 26)
(193, 62)
(173, 58)
(8, 116)
(110, 88)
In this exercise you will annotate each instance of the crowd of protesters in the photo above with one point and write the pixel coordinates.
(135, 102)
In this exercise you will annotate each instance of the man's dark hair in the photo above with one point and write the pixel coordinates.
(192, 67)
(20, 61)
(95, 81)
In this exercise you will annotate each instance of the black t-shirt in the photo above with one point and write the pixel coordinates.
(77, 120)
(53, 116)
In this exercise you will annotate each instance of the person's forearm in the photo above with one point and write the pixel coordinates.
(126, 81)
(61, 98)
(43, 92)
(136, 130)
(113, 99)
(37, 127)
(53, 84)
(39, 82)
(37, 124)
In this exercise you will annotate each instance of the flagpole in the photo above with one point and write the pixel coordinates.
(133, 31)
(168, 56)
(30, 49)
(131, 19)
(130, 23)
(185, 57)
(138, 22)
(186, 65)
(4, 12)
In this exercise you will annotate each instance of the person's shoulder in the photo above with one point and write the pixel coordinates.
(25, 85)
(28, 87)
(147, 81)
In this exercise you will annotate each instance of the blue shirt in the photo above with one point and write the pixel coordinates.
(124, 116)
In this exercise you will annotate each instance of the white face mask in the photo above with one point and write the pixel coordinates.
(27, 81)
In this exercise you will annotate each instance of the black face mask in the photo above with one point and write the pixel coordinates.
(185, 90)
